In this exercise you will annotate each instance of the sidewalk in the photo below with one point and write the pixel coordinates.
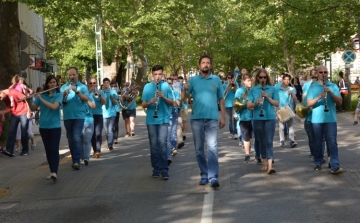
(123, 178)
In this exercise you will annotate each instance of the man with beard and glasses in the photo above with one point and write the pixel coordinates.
(206, 90)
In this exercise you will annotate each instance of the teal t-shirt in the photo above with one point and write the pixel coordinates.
(318, 114)
(163, 110)
(245, 114)
(229, 100)
(109, 109)
(306, 87)
(132, 106)
(75, 108)
(205, 92)
(49, 118)
(89, 119)
(98, 105)
(285, 98)
(268, 108)
(185, 104)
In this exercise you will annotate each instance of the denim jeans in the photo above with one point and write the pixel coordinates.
(109, 130)
(51, 140)
(231, 120)
(74, 129)
(87, 133)
(201, 127)
(24, 124)
(330, 130)
(116, 126)
(257, 142)
(96, 139)
(158, 147)
(265, 130)
(171, 136)
(239, 134)
(310, 134)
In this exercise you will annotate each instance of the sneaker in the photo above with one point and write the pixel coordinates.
(53, 176)
(49, 177)
(214, 183)
(241, 144)
(115, 141)
(184, 137)
(7, 153)
(75, 166)
(337, 171)
(318, 168)
(155, 175)
(329, 165)
(230, 136)
(86, 162)
(132, 133)
(355, 123)
(24, 154)
(127, 135)
(282, 144)
(203, 181)
(247, 159)
(258, 161)
(235, 137)
(169, 162)
(17, 149)
(293, 144)
(173, 152)
(33, 146)
(110, 148)
(164, 175)
(182, 144)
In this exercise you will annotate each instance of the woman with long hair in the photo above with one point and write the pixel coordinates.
(50, 122)
(262, 98)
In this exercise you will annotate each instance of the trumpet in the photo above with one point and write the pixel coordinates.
(157, 101)
(66, 93)
(30, 96)
(326, 109)
(262, 103)
(231, 86)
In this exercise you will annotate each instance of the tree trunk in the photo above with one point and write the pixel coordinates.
(9, 42)
(290, 59)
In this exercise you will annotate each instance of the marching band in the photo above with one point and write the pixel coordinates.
(252, 103)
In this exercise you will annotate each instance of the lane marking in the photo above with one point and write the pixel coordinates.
(207, 210)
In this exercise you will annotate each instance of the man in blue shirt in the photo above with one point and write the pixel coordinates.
(207, 91)
(109, 111)
(75, 97)
(287, 95)
(229, 95)
(157, 99)
(323, 96)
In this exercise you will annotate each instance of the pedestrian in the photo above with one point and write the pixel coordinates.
(157, 99)
(50, 123)
(343, 91)
(109, 112)
(129, 113)
(185, 108)
(229, 95)
(75, 97)
(357, 111)
(357, 81)
(114, 86)
(99, 98)
(262, 98)
(322, 97)
(207, 92)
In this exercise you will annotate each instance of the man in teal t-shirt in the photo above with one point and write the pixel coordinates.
(229, 95)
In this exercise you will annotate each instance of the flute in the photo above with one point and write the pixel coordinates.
(30, 96)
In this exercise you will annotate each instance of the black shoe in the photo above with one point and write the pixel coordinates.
(75, 166)
(247, 159)
(258, 161)
(86, 162)
(169, 162)
(329, 165)
(318, 168)
(7, 153)
(324, 161)
(184, 137)
(337, 171)
(181, 145)
(110, 148)
(24, 154)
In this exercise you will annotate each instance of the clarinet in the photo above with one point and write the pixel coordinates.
(326, 109)
(262, 103)
(66, 93)
(157, 101)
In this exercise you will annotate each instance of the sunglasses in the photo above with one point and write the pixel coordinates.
(92, 83)
(322, 72)
(262, 77)
(313, 77)
(229, 78)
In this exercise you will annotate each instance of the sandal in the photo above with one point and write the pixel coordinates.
(271, 170)
(264, 167)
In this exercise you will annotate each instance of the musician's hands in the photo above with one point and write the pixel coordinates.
(259, 101)
(322, 95)
(289, 91)
(264, 94)
(153, 100)
(159, 94)
(327, 89)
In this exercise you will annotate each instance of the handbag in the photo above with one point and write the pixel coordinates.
(285, 113)
(343, 90)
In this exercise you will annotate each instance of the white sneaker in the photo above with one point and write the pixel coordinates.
(174, 152)
(235, 137)
(17, 149)
(33, 146)
(54, 176)
(231, 136)
(49, 177)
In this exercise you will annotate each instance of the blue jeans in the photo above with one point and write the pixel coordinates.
(74, 129)
(158, 152)
(87, 133)
(330, 130)
(24, 124)
(116, 125)
(201, 127)
(231, 120)
(109, 130)
(310, 133)
(239, 134)
(257, 142)
(265, 130)
(171, 137)
(96, 139)
(51, 140)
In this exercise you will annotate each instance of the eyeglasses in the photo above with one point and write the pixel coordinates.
(92, 83)
(313, 77)
(228, 77)
(322, 72)
(262, 77)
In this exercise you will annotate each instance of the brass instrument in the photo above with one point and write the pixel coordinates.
(66, 93)
(157, 101)
(326, 108)
(131, 94)
(231, 86)
(263, 98)
(30, 96)
(301, 110)
(240, 104)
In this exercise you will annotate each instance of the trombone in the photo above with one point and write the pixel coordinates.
(30, 96)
